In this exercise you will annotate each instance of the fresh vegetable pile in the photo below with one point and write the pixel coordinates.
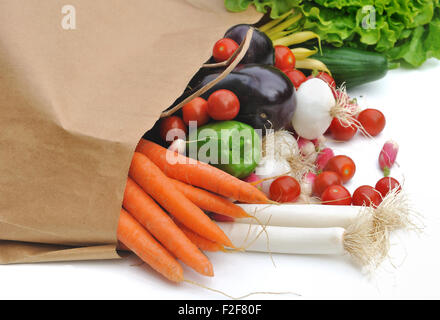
(231, 163)
(404, 31)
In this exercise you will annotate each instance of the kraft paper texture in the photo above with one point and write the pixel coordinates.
(73, 105)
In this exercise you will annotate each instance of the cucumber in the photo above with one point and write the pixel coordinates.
(353, 66)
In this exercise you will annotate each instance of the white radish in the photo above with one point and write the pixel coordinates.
(316, 107)
(314, 103)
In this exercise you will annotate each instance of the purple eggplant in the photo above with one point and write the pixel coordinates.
(267, 96)
(260, 51)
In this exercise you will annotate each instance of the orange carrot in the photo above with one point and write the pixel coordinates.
(200, 174)
(146, 174)
(209, 201)
(138, 240)
(202, 243)
(162, 227)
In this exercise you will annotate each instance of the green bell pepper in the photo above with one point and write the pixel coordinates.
(231, 146)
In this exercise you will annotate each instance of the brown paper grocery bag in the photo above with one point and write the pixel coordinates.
(73, 104)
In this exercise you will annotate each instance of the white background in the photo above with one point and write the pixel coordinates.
(410, 102)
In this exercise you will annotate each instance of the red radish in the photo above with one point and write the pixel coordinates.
(387, 184)
(306, 146)
(342, 131)
(318, 142)
(224, 49)
(324, 180)
(336, 195)
(285, 189)
(323, 157)
(366, 196)
(253, 178)
(307, 183)
(296, 76)
(372, 121)
(387, 156)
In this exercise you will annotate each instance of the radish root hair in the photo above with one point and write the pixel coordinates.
(366, 245)
(346, 111)
(394, 212)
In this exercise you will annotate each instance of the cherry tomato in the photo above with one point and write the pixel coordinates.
(284, 58)
(296, 76)
(173, 127)
(196, 110)
(336, 195)
(285, 189)
(366, 196)
(387, 184)
(324, 180)
(372, 120)
(326, 77)
(341, 132)
(223, 105)
(343, 166)
(224, 49)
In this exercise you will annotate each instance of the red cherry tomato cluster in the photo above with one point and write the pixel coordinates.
(372, 121)
(221, 105)
(324, 180)
(328, 185)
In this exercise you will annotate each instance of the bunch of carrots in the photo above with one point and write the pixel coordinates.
(162, 219)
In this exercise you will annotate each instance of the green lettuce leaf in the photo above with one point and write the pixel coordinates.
(404, 30)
